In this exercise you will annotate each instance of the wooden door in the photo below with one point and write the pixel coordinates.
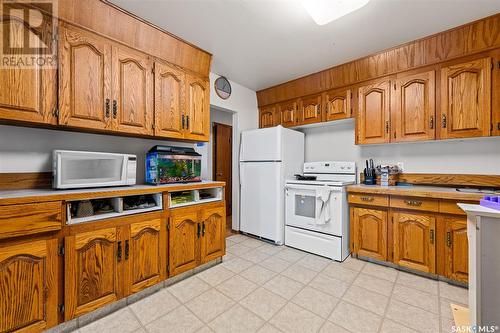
(92, 266)
(223, 160)
(415, 241)
(413, 111)
(370, 232)
(268, 116)
(310, 110)
(287, 112)
(169, 101)
(184, 238)
(132, 106)
(28, 94)
(466, 99)
(145, 255)
(28, 286)
(198, 109)
(456, 249)
(373, 120)
(495, 92)
(213, 231)
(84, 79)
(337, 104)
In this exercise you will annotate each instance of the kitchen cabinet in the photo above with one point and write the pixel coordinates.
(268, 116)
(29, 285)
(198, 109)
(373, 117)
(310, 110)
(287, 113)
(169, 101)
(495, 92)
(413, 107)
(456, 248)
(337, 104)
(466, 99)
(213, 230)
(415, 241)
(370, 232)
(28, 94)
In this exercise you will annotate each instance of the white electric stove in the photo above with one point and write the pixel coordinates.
(316, 211)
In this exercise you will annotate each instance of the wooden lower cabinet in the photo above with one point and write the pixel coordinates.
(213, 233)
(456, 251)
(28, 285)
(414, 237)
(370, 232)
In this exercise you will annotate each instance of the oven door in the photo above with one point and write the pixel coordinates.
(303, 208)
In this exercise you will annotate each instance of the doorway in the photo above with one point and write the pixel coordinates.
(223, 164)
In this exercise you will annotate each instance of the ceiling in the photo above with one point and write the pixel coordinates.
(260, 43)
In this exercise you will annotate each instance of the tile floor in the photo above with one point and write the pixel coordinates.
(264, 288)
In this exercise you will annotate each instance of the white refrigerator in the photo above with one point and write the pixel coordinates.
(268, 157)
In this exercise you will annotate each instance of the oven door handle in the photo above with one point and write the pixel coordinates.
(310, 187)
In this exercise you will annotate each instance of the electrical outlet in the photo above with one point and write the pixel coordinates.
(400, 166)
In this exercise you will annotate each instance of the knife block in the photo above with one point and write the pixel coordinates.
(368, 180)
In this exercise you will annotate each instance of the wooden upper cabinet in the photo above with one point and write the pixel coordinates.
(213, 233)
(310, 110)
(132, 106)
(456, 248)
(143, 254)
(370, 232)
(466, 99)
(373, 119)
(184, 235)
(198, 109)
(267, 116)
(92, 269)
(84, 79)
(28, 293)
(415, 241)
(287, 113)
(28, 94)
(169, 101)
(495, 81)
(337, 104)
(413, 108)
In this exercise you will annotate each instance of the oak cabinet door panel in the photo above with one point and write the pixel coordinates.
(198, 109)
(310, 110)
(456, 249)
(373, 121)
(184, 234)
(370, 233)
(288, 113)
(213, 234)
(337, 104)
(267, 116)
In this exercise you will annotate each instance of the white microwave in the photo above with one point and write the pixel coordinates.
(81, 169)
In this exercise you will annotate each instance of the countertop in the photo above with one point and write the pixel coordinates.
(437, 192)
(10, 197)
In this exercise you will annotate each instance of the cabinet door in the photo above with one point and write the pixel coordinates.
(169, 101)
(288, 113)
(198, 109)
(28, 286)
(373, 120)
(310, 110)
(413, 111)
(92, 266)
(337, 104)
(495, 92)
(267, 116)
(414, 241)
(84, 79)
(144, 255)
(132, 107)
(213, 232)
(28, 94)
(466, 99)
(184, 234)
(370, 233)
(456, 249)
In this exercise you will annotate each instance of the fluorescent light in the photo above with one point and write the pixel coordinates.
(326, 11)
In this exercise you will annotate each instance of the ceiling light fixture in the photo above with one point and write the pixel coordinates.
(326, 11)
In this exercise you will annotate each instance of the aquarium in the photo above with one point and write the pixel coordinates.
(167, 164)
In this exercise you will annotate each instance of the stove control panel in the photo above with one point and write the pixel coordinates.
(330, 167)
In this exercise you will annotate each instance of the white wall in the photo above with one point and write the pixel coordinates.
(470, 156)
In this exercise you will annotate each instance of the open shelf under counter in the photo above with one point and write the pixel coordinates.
(177, 199)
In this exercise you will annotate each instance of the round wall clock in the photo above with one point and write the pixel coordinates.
(222, 87)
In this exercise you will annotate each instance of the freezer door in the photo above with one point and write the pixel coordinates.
(262, 200)
(261, 144)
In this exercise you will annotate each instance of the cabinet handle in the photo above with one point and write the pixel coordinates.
(119, 251)
(369, 199)
(187, 122)
(198, 231)
(183, 121)
(443, 121)
(415, 203)
(387, 126)
(431, 122)
(114, 109)
(107, 107)
(498, 126)
(127, 249)
(448, 239)
(203, 229)
(432, 236)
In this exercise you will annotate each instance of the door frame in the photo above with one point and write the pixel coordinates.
(214, 162)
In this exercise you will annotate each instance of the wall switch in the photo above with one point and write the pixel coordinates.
(400, 166)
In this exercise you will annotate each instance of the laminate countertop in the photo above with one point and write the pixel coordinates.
(11, 197)
(436, 192)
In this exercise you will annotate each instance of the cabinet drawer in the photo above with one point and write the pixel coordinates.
(369, 199)
(28, 219)
(415, 203)
(451, 207)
